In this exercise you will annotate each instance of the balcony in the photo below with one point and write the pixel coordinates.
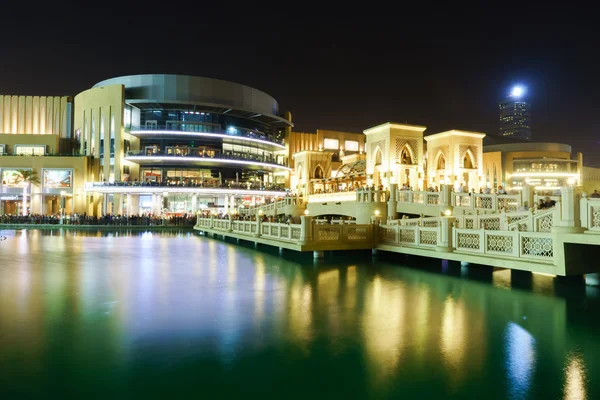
(193, 130)
(209, 158)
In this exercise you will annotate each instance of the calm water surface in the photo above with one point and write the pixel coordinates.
(175, 315)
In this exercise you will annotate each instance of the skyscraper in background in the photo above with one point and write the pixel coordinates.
(515, 115)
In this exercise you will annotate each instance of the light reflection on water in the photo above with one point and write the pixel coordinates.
(153, 310)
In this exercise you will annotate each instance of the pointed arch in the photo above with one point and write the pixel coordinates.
(300, 169)
(377, 156)
(407, 155)
(319, 173)
(469, 160)
(440, 161)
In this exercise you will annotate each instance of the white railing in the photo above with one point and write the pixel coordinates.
(426, 222)
(409, 235)
(285, 202)
(529, 245)
(418, 197)
(590, 213)
(332, 197)
(372, 196)
(306, 232)
(523, 221)
(486, 202)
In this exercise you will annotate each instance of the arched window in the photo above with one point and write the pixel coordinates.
(441, 163)
(319, 172)
(468, 162)
(378, 157)
(405, 157)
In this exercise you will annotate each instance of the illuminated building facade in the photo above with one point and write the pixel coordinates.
(36, 136)
(174, 131)
(545, 166)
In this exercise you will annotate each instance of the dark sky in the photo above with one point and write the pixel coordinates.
(344, 69)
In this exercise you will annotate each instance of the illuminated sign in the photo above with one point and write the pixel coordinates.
(12, 178)
(58, 178)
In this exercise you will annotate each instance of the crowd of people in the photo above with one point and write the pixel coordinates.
(196, 184)
(111, 220)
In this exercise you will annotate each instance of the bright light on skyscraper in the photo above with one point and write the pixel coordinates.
(517, 91)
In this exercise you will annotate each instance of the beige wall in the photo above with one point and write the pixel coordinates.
(503, 161)
(80, 166)
(590, 179)
(95, 110)
(36, 115)
(302, 141)
(50, 141)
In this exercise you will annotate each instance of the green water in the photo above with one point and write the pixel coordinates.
(175, 315)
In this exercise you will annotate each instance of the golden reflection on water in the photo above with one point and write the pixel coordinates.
(383, 324)
(453, 333)
(328, 289)
(300, 309)
(259, 288)
(575, 378)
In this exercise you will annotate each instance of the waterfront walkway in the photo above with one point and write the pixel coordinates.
(479, 229)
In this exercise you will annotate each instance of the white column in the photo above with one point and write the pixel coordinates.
(226, 208)
(129, 204)
(194, 203)
(105, 204)
(232, 204)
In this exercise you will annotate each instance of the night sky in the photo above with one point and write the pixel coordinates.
(342, 69)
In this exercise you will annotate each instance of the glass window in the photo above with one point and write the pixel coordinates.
(333, 144)
(351, 145)
(30, 150)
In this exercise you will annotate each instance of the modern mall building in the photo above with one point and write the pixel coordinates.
(179, 142)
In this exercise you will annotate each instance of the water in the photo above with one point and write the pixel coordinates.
(175, 315)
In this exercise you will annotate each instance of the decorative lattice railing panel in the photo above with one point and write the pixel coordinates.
(499, 244)
(388, 235)
(490, 224)
(428, 237)
(433, 199)
(467, 241)
(484, 202)
(328, 234)
(536, 246)
(296, 232)
(407, 236)
(417, 198)
(357, 233)
(544, 224)
(595, 217)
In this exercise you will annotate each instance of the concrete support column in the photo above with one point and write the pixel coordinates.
(153, 204)
(306, 229)
(393, 202)
(129, 204)
(258, 225)
(232, 204)
(194, 203)
(230, 223)
(118, 204)
(135, 204)
(527, 196)
(226, 205)
(105, 204)
(570, 220)
(445, 235)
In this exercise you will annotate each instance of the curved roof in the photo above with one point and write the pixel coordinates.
(155, 91)
(527, 147)
(352, 169)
